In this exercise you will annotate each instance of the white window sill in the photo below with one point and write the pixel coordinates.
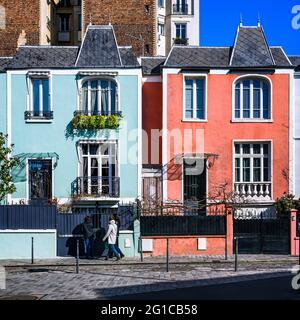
(251, 121)
(39, 121)
(195, 120)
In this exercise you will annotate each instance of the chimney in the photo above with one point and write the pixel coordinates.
(22, 39)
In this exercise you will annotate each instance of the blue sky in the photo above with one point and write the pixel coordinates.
(219, 20)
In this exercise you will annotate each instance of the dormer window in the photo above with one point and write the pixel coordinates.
(252, 99)
(99, 97)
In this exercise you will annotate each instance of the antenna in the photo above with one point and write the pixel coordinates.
(241, 20)
(258, 21)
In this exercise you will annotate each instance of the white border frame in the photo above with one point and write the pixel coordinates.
(234, 141)
(252, 120)
(195, 76)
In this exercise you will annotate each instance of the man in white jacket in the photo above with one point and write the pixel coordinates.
(111, 236)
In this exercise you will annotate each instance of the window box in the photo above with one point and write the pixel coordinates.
(44, 115)
(96, 122)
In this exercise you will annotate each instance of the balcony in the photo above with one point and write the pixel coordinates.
(97, 113)
(181, 41)
(35, 115)
(180, 9)
(97, 187)
(254, 190)
(63, 36)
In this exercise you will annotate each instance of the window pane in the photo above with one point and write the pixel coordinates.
(36, 97)
(246, 170)
(266, 101)
(238, 100)
(256, 170)
(246, 148)
(113, 97)
(45, 83)
(84, 98)
(246, 99)
(94, 149)
(237, 149)
(188, 98)
(266, 175)
(256, 148)
(94, 97)
(84, 149)
(200, 98)
(256, 101)
(266, 149)
(237, 170)
(104, 96)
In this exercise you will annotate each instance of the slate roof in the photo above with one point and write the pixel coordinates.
(152, 65)
(44, 57)
(295, 60)
(250, 50)
(4, 62)
(280, 57)
(128, 58)
(207, 57)
(99, 49)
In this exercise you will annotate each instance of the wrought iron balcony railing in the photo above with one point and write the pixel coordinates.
(181, 41)
(180, 8)
(97, 187)
(44, 115)
(97, 113)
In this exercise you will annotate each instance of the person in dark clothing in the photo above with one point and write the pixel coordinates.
(88, 237)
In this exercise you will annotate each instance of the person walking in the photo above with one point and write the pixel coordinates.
(118, 223)
(111, 237)
(88, 237)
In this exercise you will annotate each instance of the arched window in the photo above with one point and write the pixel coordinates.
(252, 99)
(99, 97)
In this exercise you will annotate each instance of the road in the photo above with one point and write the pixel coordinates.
(266, 289)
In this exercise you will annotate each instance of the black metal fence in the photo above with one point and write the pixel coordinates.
(27, 217)
(183, 225)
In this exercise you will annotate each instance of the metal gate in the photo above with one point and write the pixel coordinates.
(263, 236)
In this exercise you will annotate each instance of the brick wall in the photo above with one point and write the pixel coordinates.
(133, 17)
(20, 15)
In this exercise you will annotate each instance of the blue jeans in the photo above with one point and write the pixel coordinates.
(113, 249)
(88, 246)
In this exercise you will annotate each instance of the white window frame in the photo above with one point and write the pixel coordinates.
(252, 77)
(38, 76)
(195, 77)
(99, 79)
(111, 143)
(251, 156)
(186, 30)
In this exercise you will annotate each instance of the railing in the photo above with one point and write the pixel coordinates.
(180, 8)
(31, 115)
(97, 113)
(97, 187)
(253, 189)
(181, 41)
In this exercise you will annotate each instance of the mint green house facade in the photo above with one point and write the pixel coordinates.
(74, 117)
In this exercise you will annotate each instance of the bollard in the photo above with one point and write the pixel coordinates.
(77, 256)
(141, 248)
(167, 254)
(32, 250)
(236, 254)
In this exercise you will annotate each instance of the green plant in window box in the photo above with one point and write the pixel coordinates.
(84, 122)
(112, 122)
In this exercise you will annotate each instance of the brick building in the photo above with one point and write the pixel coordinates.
(149, 26)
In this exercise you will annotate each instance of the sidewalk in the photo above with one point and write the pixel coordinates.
(70, 261)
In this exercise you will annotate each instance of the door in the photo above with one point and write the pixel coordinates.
(40, 180)
(194, 184)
